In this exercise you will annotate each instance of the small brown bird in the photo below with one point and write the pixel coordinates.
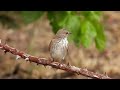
(58, 46)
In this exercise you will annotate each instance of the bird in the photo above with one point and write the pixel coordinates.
(58, 46)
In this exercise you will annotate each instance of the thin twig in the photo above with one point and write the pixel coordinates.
(43, 61)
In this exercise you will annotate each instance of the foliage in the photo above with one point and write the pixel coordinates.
(30, 16)
(8, 21)
(85, 26)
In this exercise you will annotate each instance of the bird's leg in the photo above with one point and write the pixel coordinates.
(64, 61)
(68, 63)
(53, 60)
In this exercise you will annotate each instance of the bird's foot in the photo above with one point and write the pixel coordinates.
(68, 63)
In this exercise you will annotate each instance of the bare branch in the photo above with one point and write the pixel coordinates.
(46, 62)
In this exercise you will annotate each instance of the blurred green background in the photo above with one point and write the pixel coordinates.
(94, 42)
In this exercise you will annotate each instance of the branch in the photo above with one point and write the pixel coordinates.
(45, 62)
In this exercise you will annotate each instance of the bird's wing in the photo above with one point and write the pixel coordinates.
(50, 44)
(53, 40)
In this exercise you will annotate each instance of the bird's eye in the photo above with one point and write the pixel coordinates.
(67, 32)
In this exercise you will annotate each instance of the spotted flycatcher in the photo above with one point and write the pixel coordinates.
(58, 46)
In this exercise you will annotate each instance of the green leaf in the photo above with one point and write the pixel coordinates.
(30, 16)
(8, 21)
(55, 18)
(88, 28)
(92, 15)
(84, 30)
(69, 12)
(73, 24)
(100, 40)
(68, 20)
(99, 13)
(95, 15)
(88, 33)
(86, 41)
(100, 43)
(85, 13)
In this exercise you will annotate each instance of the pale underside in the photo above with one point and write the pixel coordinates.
(60, 49)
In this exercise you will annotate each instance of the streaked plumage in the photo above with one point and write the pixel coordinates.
(59, 45)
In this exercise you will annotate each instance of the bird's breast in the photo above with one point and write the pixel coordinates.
(60, 49)
(64, 42)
